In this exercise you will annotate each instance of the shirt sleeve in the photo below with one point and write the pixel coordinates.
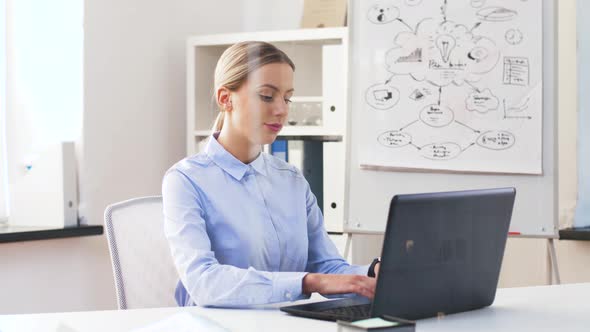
(323, 257)
(208, 282)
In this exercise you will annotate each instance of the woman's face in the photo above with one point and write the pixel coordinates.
(261, 104)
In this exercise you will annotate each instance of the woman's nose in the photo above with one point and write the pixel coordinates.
(282, 108)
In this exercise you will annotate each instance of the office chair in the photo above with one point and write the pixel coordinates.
(145, 275)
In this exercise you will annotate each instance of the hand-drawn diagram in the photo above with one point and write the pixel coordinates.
(496, 140)
(437, 116)
(516, 71)
(496, 14)
(382, 96)
(383, 12)
(482, 102)
(419, 94)
(463, 92)
(442, 53)
(513, 36)
(518, 111)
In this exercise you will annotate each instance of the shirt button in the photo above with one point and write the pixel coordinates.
(288, 295)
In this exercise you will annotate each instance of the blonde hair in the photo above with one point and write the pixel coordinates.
(238, 61)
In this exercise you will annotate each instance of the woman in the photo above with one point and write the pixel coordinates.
(244, 227)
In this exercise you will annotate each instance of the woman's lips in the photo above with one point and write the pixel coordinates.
(274, 126)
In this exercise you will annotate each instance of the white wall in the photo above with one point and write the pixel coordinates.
(55, 275)
(260, 15)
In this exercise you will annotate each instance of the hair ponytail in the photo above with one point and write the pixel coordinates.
(218, 124)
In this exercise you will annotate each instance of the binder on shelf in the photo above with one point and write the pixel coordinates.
(280, 149)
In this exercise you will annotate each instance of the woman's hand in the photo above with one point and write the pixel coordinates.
(328, 284)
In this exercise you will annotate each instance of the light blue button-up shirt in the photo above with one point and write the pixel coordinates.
(243, 234)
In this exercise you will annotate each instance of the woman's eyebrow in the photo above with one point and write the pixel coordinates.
(274, 87)
(269, 86)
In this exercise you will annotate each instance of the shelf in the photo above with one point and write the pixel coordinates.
(315, 138)
(304, 36)
(301, 131)
(20, 234)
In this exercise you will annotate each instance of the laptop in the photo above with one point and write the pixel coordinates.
(442, 254)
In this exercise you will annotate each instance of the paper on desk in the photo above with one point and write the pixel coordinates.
(183, 322)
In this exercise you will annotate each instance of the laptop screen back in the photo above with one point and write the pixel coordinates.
(442, 252)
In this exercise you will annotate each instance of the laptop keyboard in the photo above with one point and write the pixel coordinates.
(352, 313)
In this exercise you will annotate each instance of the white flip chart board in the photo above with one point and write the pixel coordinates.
(452, 95)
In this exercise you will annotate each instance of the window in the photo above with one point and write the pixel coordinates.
(41, 53)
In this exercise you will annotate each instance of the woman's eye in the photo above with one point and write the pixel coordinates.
(287, 101)
(267, 99)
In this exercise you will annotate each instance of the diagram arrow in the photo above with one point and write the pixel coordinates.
(443, 9)
(409, 124)
(470, 145)
(475, 26)
(389, 79)
(473, 87)
(518, 117)
(439, 94)
(466, 126)
(406, 24)
(416, 146)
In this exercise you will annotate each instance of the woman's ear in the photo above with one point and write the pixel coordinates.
(224, 99)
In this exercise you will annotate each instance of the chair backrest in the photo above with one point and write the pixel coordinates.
(145, 275)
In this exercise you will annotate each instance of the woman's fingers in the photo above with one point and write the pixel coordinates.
(365, 286)
(328, 284)
(360, 285)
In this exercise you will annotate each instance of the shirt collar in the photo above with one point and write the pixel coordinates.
(231, 164)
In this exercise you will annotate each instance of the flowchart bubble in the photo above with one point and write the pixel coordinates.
(440, 151)
(496, 14)
(482, 102)
(442, 53)
(394, 139)
(382, 96)
(383, 12)
(496, 140)
(477, 3)
(437, 116)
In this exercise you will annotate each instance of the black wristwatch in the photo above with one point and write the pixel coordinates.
(371, 272)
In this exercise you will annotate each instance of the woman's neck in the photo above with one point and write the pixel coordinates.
(238, 146)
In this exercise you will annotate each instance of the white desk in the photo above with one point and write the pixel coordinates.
(546, 308)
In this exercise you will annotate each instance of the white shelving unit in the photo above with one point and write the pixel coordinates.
(319, 107)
